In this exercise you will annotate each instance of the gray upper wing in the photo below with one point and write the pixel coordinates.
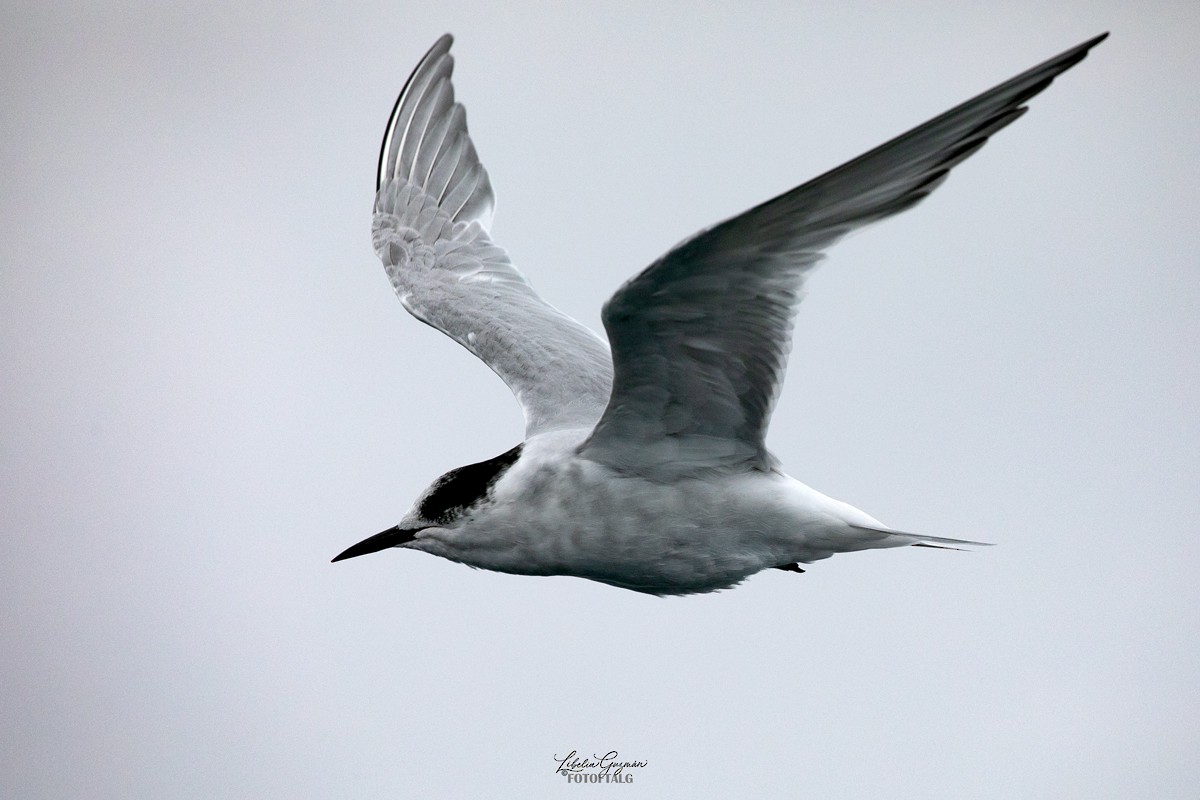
(700, 338)
(433, 206)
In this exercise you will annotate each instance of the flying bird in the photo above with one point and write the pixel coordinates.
(644, 463)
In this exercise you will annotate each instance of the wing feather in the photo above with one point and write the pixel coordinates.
(700, 339)
(433, 207)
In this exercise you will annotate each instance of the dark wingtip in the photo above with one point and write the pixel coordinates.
(1073, 56)
(392, 537)
(442, 45)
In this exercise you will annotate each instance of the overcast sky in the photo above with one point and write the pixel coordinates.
(209, 390)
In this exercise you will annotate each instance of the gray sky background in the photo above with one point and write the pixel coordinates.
(209, 390)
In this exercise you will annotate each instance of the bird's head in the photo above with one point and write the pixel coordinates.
(447, 502)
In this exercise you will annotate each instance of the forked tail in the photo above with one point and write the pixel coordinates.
(917, 540)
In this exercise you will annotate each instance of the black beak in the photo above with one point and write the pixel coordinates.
(392, 537)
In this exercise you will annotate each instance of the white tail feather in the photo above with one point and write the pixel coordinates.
(917, 540)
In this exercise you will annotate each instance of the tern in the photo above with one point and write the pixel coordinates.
(644, 464)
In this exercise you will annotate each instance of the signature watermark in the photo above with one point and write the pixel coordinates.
(608, 768)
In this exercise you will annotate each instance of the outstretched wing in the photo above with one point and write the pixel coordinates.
(433, 206)
(700, 338)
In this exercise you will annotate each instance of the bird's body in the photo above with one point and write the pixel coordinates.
(556, 513)
(643, 466)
